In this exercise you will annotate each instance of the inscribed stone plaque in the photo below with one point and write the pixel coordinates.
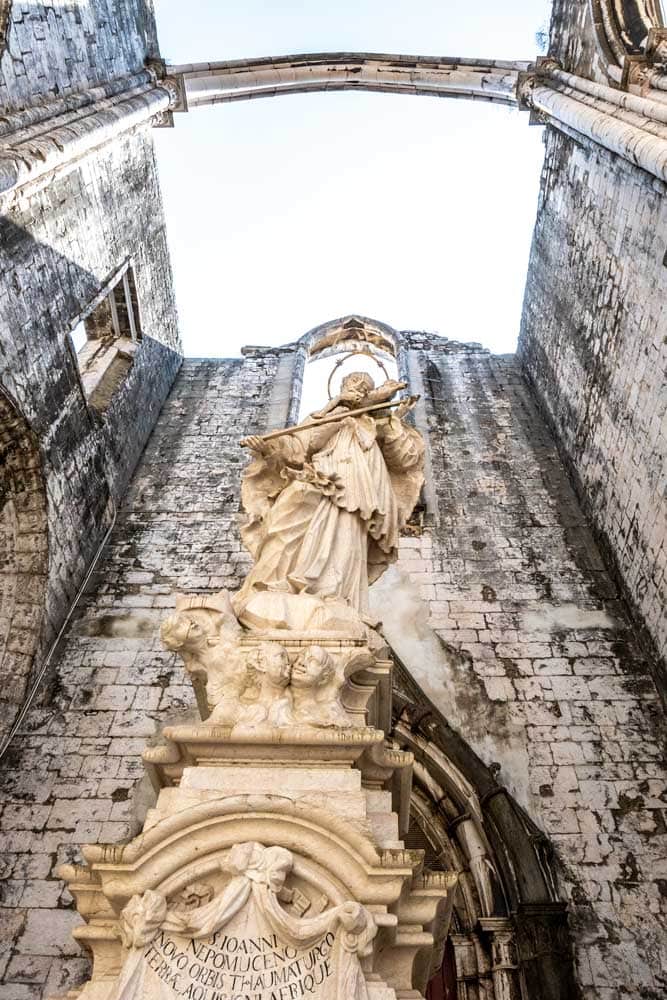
(243, 944)
(235, 965)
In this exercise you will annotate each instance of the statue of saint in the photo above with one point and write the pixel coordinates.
(326, 502)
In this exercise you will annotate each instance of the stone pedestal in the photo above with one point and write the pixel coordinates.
(271, 866)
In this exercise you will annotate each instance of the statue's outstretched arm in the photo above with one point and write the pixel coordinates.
(290, 449)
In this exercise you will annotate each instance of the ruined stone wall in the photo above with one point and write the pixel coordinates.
(51, 49)
(58, 249)
(502, 610)
(593, 343)
(573, 42)
(72, 776)
(505, 615)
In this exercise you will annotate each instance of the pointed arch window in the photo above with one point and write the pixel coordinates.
(350, 346)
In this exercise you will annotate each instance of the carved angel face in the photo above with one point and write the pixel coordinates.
(274, 662)
(314, 668)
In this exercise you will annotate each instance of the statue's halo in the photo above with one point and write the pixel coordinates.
(351, 354)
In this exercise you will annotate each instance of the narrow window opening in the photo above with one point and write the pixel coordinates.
(79, 336)
(105, 339)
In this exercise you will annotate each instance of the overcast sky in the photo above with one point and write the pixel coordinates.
(287, 212)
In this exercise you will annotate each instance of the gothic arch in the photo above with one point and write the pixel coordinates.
(338, 342)
(623, 27)
(509, 925)
(23, 557)
(285, 400)
(352, 328)
(200, 84)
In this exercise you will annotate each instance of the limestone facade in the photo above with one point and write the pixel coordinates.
(85, 458)
(61, 245)
(516, 634)
(525, 614)
(592, 338)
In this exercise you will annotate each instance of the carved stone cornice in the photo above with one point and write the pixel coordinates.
(38, 143)
(631, 125)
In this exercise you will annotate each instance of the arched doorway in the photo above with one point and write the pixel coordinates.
(508, 937)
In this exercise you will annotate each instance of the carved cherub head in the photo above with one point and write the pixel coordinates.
(273, 662)
(314, 668)
(182, 632)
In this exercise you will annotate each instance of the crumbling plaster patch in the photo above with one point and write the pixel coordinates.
(447, 677)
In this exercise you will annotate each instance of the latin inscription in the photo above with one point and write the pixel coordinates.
(224, 967)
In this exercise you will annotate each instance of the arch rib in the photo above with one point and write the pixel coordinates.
(245, 79)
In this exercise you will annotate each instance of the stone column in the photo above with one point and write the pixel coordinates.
(467, 966)
(503, 957)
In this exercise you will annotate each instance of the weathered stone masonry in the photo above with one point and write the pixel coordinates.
(501, 608)
(518, 637)
(59, 246)
(593, 338)
(53, 49)
(71, 777)
(597, 358)
(553, 686)
(75, 235)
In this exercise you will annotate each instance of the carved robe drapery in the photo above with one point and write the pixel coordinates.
(326, 506)
(249, 908)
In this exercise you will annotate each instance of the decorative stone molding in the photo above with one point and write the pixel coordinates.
(656, 48)
(628, 33)
(316, 801)
(316, 953)
(39, 142)
(649, 72)
(23, 557)
(623, 27)
(628, 124)
(516, 854)
(504, 965)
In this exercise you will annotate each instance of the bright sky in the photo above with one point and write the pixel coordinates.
(284, 213)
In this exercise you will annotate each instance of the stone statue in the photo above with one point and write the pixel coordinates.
(206, 639)
(326, 501)
(326, 504)
(316, 687)
(273, 705)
